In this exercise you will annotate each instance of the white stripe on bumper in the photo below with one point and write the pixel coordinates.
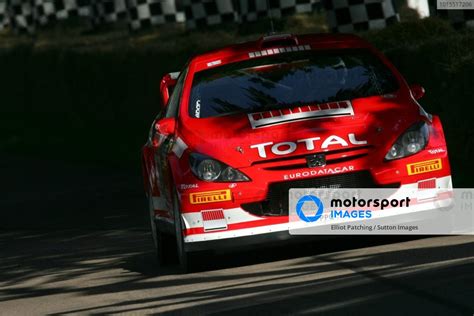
(238, 215)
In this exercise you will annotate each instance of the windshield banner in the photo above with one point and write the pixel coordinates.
(381, 211)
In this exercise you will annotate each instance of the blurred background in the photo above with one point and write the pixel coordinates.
(79, 87)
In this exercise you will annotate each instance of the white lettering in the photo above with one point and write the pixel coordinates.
(197, 113)
(436, 151)
(354, 141)
(285, 148)
(334, 140)
(261, 149)
(291, 148)
(309, 142)
(318, 172)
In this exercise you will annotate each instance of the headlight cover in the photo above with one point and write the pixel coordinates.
(409, 143)
(211, 170)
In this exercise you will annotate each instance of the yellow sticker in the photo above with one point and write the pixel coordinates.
(210, 196)
(424, 166)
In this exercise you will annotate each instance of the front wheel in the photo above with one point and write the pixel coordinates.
(185, 258)
(163, 243)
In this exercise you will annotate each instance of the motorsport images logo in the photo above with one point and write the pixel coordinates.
(317, 202)
(351, 208)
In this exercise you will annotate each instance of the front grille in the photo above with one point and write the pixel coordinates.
(277, 204)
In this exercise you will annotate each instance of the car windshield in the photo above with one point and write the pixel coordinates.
(287, 80)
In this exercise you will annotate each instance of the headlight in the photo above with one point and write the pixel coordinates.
(411, 142)
(211, 170)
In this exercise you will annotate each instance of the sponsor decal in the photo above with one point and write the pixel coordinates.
(285, 148)
(189, 186)
(436, 151)
(197, 112)
(424, 166)
(210, 196)
(317, 172)
(300, 113)
(214, 63)
(280, 50)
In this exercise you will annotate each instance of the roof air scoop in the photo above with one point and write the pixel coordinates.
(278, 40)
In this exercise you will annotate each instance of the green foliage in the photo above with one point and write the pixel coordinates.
(410, 34)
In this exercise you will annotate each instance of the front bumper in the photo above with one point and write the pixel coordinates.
(237, 223)
(252, 241)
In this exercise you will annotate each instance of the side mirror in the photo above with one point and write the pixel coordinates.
(166, 126)
(166, 86)
(417, 91)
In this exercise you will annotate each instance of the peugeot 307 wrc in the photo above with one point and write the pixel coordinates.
(243, 124)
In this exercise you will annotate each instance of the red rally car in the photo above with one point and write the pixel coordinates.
(244, 124)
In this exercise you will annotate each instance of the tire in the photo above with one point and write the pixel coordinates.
(186, 259)
(164, 245)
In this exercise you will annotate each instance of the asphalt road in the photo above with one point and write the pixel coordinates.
(114, 272)
(72, 240)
